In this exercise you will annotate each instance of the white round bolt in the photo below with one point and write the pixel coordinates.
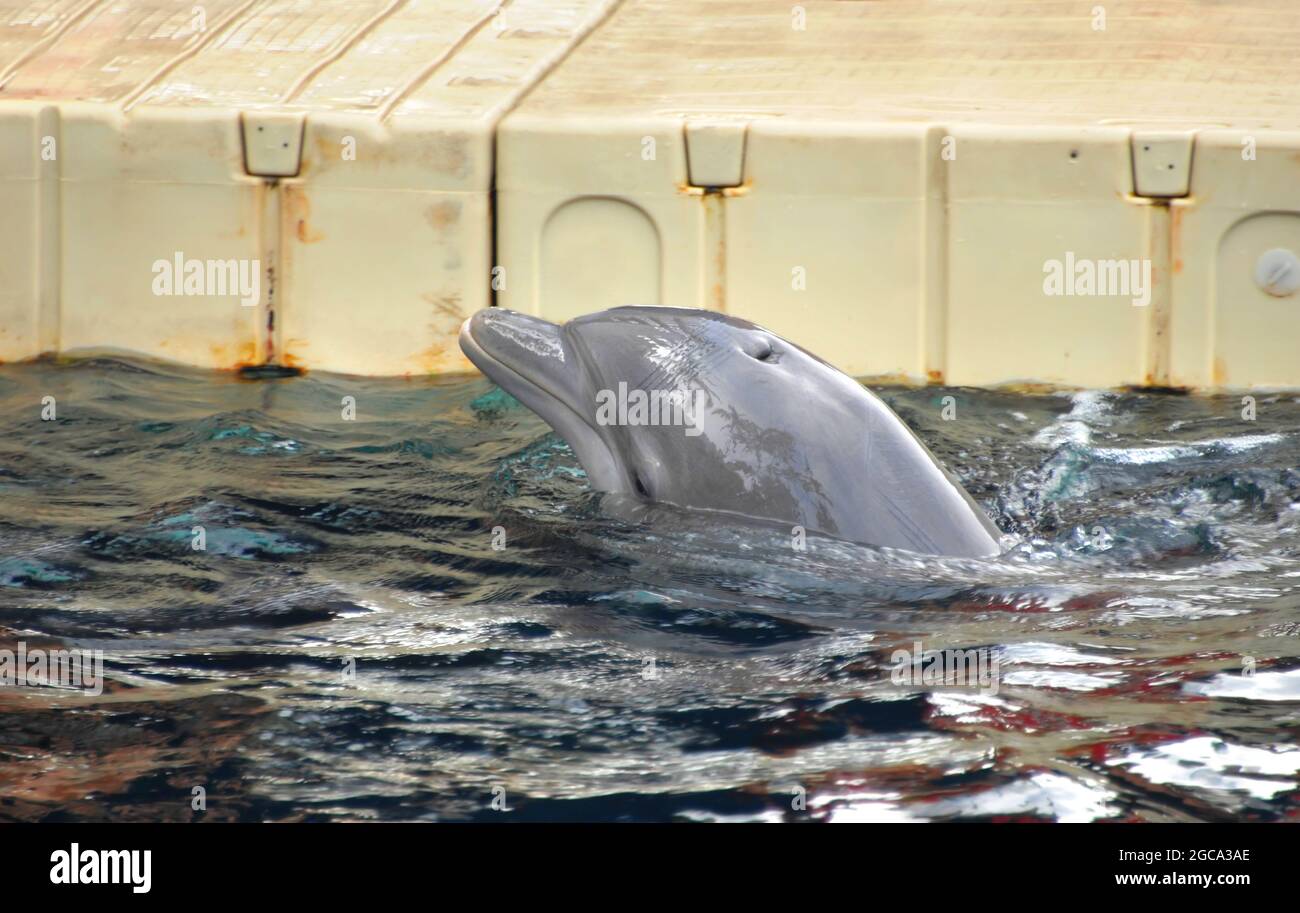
(1277, 272)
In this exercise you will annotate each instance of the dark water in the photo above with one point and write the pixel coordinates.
(350, 645)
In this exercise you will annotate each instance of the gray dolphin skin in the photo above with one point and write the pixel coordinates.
(707, 411)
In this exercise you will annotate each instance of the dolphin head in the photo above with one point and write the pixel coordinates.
(706, 410)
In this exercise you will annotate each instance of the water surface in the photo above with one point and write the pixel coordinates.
(349, 645)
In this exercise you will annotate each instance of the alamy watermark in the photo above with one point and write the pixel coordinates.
(80, 670)
(127, 867)
(215, 278)
(1084, 277)
(977, 668)
(673, 408)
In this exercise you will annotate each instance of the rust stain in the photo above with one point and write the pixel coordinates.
(233, 358)
(443, 215)
(897, 379)
(443, 354)
(740, 191)
(288, 358)
(695, 190)
(1220, 374)
(430, 359)
(270, 312)
(1032, 388)
(441, 357)
(714, 217)
(1156, 387)
(934, 376)
(448, 305)
(306, 235)
(298, 210)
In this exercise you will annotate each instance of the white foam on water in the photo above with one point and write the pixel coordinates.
(1142, 456)
(1262, 686)
(1088, 408)
(1040, 653)
(1207, 762)
(1046, 794)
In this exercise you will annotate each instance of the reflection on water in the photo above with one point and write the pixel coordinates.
(349, 644)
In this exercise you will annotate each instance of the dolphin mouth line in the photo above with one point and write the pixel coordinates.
(524, 388)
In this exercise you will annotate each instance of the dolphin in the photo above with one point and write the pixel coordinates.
(707, 411)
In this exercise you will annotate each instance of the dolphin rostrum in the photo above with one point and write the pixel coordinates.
(707, 411)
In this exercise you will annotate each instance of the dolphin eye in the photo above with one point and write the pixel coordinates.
(762, 350)
(640, 486)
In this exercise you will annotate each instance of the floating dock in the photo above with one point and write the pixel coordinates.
(981, 192)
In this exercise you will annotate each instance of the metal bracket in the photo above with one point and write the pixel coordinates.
(715, 153)
(1162, 163)
(272, 142)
